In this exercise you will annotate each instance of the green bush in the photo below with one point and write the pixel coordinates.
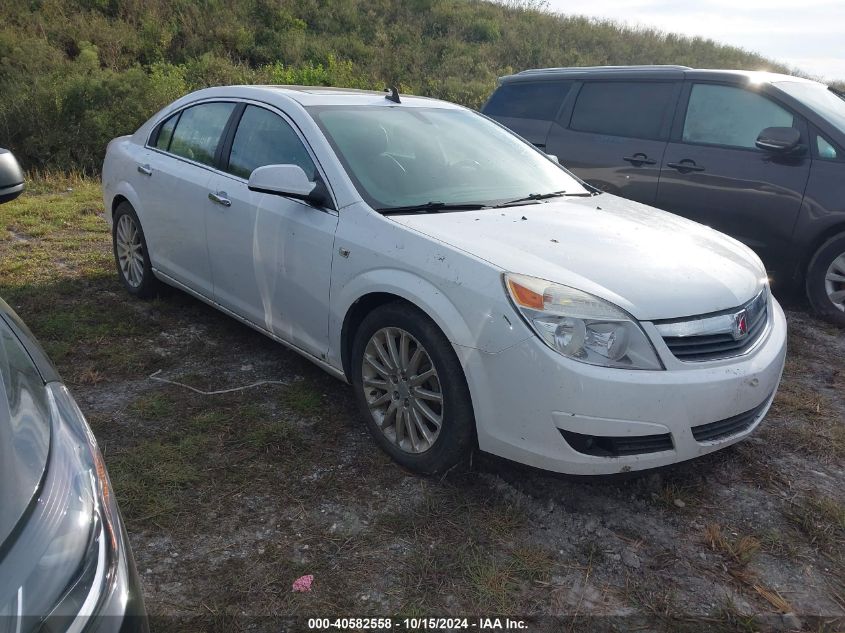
(76, 73)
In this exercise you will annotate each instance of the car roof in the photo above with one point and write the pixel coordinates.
(317, 96)
(647, 72)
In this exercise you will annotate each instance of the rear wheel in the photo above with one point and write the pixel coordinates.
(826, 280)
(130, 253)
(411, 389)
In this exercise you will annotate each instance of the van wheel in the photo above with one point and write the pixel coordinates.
(826, 280)
(130, 253)
(411, 389)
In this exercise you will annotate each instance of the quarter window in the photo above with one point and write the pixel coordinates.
(520, 100)
(165, 133)
(725, 115)
(199, 130)
(623, 108)
(264, 138)
(826, 149)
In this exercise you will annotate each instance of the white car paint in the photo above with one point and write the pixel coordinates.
(294, 272)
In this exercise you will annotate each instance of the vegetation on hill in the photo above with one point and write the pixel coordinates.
(76, 73)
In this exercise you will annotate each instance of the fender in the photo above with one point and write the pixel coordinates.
(427, 297)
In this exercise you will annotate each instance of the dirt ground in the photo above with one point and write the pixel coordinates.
(229, 498)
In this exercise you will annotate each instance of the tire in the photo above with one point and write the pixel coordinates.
(826, 280)
(138, 279)
(402, 434)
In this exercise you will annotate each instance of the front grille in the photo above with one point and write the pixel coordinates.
(603, 446)
(733, 425)
(716, 336)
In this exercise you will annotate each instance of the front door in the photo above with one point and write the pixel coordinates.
(713, 173)
(615, 136)
(270, 256)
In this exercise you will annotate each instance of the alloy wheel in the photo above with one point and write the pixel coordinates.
(130, 251)
(402, 390)
(834, 282)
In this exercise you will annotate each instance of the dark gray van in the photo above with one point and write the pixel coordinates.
(759, 156)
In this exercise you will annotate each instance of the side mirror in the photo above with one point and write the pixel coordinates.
(778, 140)
(11, 177)
(553, 158)
(287, 180)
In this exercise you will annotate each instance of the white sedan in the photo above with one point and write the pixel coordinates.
(471, 290)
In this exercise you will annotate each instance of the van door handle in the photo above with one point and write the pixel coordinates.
(220, 198)
(639, 159)
(145, 169)
(685, 166)
(540, 145)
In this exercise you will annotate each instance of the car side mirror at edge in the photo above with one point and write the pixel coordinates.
(553, 158)
(779, 140)
(11, 177)
(290, 181)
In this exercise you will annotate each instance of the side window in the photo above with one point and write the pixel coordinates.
(165, 133)
(725, 115)
(264, 138)
(825, 148)
(198, 131)
(624, 108)
(521, 100)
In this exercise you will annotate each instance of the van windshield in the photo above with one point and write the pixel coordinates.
(818, 97)
(402, 156)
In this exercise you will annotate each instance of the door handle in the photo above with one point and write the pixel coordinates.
(540, 145)
(145, 169)
(639, 159)
(685, 166)
(220, 198)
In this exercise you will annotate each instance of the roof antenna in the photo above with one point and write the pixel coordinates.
(394, 94)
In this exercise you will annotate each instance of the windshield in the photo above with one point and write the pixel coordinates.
(818, 97)
(401, 156)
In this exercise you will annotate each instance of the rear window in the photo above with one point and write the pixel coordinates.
(623, 108)
(199, 130)
(520, 100)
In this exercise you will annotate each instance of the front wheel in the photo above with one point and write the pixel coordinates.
(411, 389)
(130, 253)
(826, 280)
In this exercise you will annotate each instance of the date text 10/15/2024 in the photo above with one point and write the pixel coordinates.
(417, 624)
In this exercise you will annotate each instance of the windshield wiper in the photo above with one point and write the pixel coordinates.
(434, 207)
(532, 197)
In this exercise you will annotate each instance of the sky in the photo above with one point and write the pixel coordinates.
(804, 34)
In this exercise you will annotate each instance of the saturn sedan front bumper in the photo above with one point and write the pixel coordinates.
(534, 406)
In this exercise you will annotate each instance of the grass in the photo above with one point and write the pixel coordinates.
(739, 550)
(151, 477)
(822, 519)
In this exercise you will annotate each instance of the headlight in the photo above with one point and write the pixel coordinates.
(580, 325)
(66, 565)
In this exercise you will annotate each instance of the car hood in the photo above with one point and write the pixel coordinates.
(653, 264)
(24, 431)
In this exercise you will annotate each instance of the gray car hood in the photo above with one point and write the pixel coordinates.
(653, 264)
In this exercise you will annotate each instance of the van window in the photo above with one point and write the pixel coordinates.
(726, 115)
(624, 108)
(825, 148)
(198, 131)
(522, 100)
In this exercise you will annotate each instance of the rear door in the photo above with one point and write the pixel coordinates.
(713, 173)
(270, 256)
(173, 177)
(528, 107)
(615, 135)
